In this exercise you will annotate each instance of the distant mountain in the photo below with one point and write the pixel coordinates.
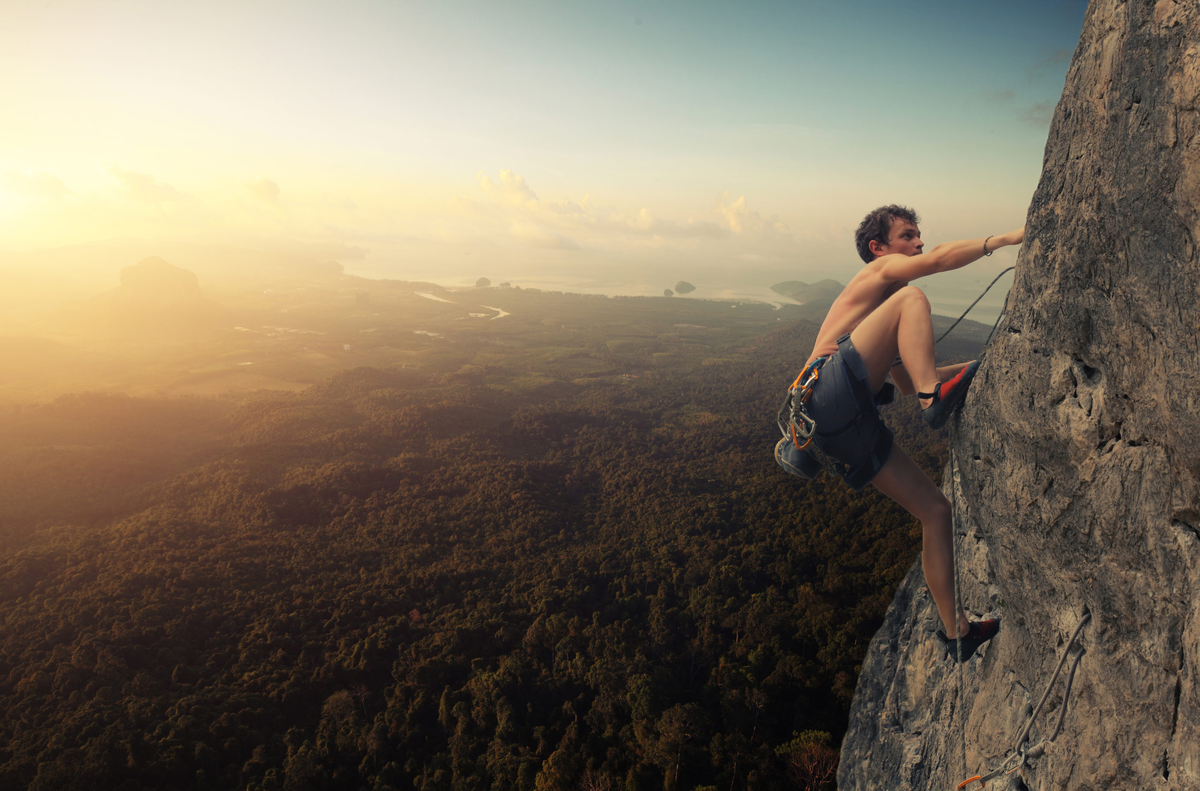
(156, 301)
(824, 291)
(816, 299)
(684, 287)
(152, 281)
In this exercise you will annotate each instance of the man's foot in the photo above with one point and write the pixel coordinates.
(978, 633)
(948, 395)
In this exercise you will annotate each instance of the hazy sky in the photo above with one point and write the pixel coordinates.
(451, 139)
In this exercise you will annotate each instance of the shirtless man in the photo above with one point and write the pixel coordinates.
(881, 325)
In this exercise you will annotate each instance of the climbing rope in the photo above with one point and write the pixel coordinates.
(1019, 756)
(962, 683)
(976, 302)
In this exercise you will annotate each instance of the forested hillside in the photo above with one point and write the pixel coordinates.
(410, 579)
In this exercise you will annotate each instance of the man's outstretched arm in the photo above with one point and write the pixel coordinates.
(945, 257)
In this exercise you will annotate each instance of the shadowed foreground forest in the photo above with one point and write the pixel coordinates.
(403, 579)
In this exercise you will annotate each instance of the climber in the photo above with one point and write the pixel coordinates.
(880, 325)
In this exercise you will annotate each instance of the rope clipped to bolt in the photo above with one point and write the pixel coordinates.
(962, 684)
(1020, 754)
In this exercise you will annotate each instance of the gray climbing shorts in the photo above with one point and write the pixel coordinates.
(850, 430)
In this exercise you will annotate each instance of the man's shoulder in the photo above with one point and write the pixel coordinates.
(868, 279)
(884, 272)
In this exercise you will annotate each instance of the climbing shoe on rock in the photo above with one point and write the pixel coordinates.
(978, 633)
(948, 395)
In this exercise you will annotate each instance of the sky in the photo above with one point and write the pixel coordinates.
(623, 143)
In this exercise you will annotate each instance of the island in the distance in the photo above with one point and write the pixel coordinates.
(823, 291)
(684, 287)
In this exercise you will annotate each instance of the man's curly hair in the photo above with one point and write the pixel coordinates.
(877, 225)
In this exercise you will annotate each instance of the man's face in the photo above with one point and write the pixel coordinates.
(903, 238)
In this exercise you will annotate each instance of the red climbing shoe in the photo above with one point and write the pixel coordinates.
(948, 395)
(978, 633)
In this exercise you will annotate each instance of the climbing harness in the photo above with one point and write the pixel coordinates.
(1020, 754)
(798, 428)
(793, 419)
(799, 454)
(805, 458)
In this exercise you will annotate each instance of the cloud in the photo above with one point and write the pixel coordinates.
(375, 237)
(263, 189)
(741, 219)
(1039, 114)
(143, 187)
(536, 236)
(41, 185)
(557, 224)
(647, 225)
(1050, 61)
(511, 189)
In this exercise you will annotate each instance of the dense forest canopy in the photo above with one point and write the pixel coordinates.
(562, 558)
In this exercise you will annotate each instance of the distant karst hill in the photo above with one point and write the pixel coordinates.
(684, 287)
(154, 281)
(823, 291)
(156, 301)
(817, 298)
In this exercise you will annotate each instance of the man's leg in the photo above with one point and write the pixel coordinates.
(901, 325)
(903, 481)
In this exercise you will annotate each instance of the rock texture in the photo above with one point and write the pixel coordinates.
(1077, 480)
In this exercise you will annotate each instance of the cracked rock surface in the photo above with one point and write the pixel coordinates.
(1077, 460)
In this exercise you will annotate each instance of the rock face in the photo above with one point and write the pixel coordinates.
(1076, 460)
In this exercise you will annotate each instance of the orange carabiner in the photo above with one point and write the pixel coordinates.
(970, 780)
(808, 386)
(805, 370)
(796, 440)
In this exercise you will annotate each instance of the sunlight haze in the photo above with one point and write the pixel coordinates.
(616, 146)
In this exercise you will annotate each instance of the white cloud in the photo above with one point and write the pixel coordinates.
(743, 220)
(511, 189)
(143, 187)
(557, 224)
(263, 189)
(34, 184)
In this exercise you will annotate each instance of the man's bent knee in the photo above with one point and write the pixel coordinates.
(914, 296)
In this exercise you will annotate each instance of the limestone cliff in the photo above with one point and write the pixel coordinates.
(1077, 459)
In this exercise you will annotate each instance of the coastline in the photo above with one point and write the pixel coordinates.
(949, 297)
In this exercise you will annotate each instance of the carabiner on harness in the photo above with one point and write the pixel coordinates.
(794, 421)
